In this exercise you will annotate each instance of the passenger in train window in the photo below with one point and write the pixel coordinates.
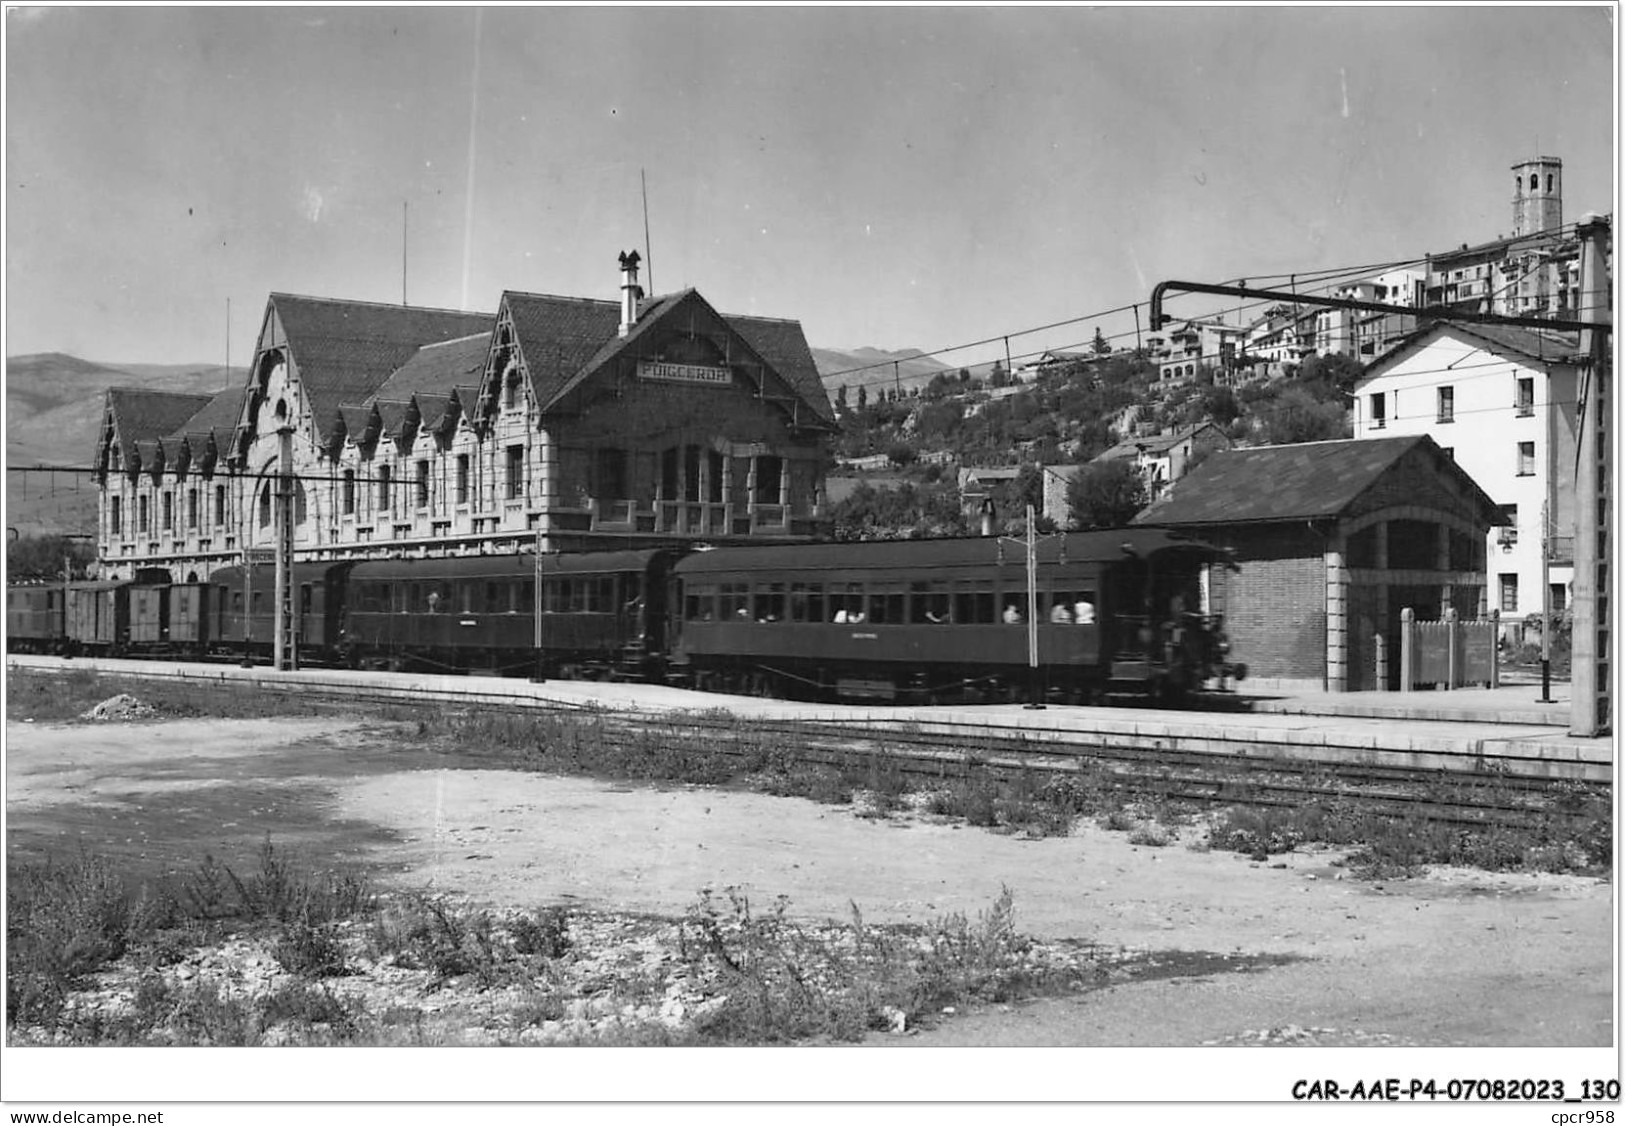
(1059, 614)
(1083, 612)
(1012, 614)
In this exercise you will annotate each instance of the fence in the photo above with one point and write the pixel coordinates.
(1448, 653)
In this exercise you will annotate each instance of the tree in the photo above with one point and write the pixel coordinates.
(863, 396)
(1106, 494)
(998, 377)
(1099, 345)
(1330, 378)
(840, 397)
(1296, 415)
(39, 558)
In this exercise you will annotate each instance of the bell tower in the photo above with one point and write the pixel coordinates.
(1537, 196)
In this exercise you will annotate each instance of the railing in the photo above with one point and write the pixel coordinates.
(1448, 653)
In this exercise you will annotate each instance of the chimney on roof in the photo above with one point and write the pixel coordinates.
(631, 291)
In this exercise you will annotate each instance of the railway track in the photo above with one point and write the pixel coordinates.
(1466, 795)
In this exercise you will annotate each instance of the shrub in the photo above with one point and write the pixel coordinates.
(62, 922)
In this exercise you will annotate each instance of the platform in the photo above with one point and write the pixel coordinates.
(1469, 730)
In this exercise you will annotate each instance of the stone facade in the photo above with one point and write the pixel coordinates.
(559, 424)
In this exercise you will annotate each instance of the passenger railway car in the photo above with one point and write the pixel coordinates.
(240, 611)
(1110, 612)
(603, 615)
(469, 612)
(935, 620)
(598, 615)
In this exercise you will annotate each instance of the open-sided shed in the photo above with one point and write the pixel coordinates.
(1334, 540)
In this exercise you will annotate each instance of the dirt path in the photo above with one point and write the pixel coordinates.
(1458, 958)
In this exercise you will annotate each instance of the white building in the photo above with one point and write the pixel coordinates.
(1501, 401)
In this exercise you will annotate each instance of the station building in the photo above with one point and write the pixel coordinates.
(553, 424)
(1333, 541)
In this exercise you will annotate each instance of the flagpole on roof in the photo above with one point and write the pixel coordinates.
(648, 254)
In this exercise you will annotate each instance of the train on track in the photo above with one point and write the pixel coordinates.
(924, 621)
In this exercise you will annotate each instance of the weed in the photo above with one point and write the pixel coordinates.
(1150, 834)
(1117, 821)
(544, 934)
(309, 949)
(62, 922)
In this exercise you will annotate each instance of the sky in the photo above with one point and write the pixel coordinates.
(890, 177)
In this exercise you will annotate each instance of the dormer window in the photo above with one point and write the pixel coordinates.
(510, 390)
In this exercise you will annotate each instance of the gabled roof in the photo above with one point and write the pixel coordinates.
(1525, 345)
(558, 335)
(346, 350)
(360, 422)
(437, 368)
(141, 417)
(432, 409)
(213, 425)
(783, 345)
(1156, 443)
(393, 415)
(566, 340)
(1308, 481)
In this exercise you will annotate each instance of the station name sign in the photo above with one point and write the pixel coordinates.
(683, 373)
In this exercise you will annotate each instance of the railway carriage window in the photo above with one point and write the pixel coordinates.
(465, 598)
(699, 603)
(974, 604)
(527, 597)
(1083, 608)
(397, 598)
(258, 602)
(806, 602)
(770, 603)
(930, 603)
(493, 596)
(433, 602)
(847, 605)
(733, 603)
(886, 605)
(236, 602)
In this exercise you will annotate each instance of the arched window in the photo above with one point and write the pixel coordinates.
(1534, 182)
(265, 505)
(1549, 180)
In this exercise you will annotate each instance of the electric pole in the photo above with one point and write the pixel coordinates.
(1589, 708)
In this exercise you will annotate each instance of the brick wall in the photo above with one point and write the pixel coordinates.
(1275, 606)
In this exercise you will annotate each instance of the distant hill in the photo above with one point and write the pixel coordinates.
(53, 407)
(913, 369)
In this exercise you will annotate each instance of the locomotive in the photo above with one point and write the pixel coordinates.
(922, 621)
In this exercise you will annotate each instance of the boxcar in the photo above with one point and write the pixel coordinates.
(35, 618)
(99, 617)
(239, 613)
(941, 619)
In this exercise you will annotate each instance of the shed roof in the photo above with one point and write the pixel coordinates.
(1307, 481)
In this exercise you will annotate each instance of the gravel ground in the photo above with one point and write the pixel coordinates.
(1331, 960)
